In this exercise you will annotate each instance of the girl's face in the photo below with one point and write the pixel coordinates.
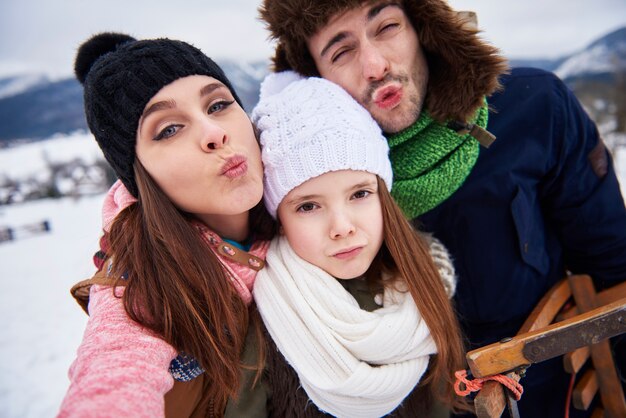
(334, 221)
(199, 146)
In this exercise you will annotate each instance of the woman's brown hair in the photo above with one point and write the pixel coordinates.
(407, 255)
(177, 287)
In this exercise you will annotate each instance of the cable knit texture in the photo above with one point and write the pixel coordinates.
(443, 262)
(351, 363)
(116, 200)
(310, 126)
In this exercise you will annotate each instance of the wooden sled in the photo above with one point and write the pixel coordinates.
(558, 327)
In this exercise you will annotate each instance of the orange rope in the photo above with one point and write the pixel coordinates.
(568, 400)
(475, 385)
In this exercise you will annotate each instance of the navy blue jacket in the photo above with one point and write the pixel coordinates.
(532, 208)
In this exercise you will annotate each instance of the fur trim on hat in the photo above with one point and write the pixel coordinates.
(463, 68)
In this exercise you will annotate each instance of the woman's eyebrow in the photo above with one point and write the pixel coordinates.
(155, 107)
(209, 88)
(170, 104)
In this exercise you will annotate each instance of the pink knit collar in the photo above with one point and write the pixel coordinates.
(116, 200)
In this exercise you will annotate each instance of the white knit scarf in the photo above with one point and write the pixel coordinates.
(350, 362)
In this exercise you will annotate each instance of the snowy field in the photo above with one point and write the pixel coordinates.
(42, 325)
(34, 157)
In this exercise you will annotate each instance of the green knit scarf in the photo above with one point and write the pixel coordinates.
(430, 162)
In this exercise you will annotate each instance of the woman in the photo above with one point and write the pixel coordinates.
(175, 304)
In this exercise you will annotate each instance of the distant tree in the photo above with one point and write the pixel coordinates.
(110, 176)
(51, 190)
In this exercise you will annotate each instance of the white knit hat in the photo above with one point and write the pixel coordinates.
(310, 126)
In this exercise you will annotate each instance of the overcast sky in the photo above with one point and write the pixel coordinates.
(42, 35)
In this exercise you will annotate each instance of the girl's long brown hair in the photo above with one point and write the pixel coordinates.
(177, 287)
(405, 253)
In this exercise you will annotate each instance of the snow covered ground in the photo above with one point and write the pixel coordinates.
(34, 157)
(41, 324)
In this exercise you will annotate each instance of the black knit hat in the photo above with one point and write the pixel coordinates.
(120, 75)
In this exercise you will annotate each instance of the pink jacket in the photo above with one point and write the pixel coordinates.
(121, 368)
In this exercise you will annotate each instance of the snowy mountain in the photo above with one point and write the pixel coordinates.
(246, 77)
(40, 109)
(11, 86)
(34, 107)
(602, 57)
(600, 60)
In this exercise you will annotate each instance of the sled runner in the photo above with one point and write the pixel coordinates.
(578, 330)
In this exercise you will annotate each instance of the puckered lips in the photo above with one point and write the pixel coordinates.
(388, 97)
(235, 166)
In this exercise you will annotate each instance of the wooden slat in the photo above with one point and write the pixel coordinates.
(608, 382)
(574, 361)
(490, 401)
(506, 356)
(604, 297)
(547, 308)
(585, 390)
(598, 413)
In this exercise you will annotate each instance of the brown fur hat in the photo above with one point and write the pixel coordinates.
(463, 68)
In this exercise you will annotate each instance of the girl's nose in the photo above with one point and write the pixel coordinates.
(341, 226)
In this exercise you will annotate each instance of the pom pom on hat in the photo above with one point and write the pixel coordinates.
(310, 126)
(95, 47)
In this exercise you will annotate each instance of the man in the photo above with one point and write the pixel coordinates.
(542, 200)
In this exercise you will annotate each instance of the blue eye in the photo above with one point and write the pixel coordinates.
(167, 132)
(219, 106)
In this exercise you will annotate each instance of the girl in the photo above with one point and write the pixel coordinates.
(172, 299)
(327, 181)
